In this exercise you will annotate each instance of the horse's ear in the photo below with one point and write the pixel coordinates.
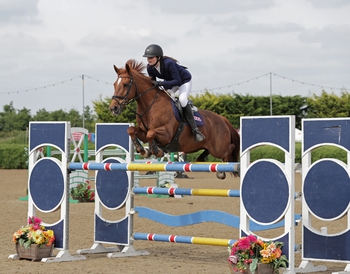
(127, 67)
(116, 69)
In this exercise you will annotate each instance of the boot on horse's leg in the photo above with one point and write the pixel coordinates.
(198, 136)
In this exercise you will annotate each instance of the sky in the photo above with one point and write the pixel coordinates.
(60, 54)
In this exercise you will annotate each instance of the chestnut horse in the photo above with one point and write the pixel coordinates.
(157, 123)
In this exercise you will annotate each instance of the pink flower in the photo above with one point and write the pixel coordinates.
(232, 259)
(252, 238)
(36, 226)
(35, 222)
(244, 243)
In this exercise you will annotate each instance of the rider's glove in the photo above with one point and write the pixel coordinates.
(157, 83)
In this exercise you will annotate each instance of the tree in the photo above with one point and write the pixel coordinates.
(90, 119)
(329, 105)
(22, 119)
(7, 118)
(42, 115)
(104, 114)
(11, 119)
(75, 118)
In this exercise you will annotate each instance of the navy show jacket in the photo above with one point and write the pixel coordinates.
(171, 72)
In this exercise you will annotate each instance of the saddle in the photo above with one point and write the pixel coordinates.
(177, 110)
(174, 146)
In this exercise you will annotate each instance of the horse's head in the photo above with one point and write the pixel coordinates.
(124, 90)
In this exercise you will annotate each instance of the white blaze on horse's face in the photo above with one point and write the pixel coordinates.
(117, 104)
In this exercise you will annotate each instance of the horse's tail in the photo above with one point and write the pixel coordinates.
(235, 141)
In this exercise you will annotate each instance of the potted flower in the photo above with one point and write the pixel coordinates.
(250, 253)
(33, 241)
(83, 193)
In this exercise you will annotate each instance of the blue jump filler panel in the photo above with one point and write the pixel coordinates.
(112, 188)
(47, 183)
(267, 185)
(326, 190)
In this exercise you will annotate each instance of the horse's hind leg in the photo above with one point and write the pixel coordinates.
(139, 148)
(155, 150)
(203, 156)
(221, 175)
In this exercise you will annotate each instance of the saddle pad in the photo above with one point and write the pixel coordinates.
(197, 117)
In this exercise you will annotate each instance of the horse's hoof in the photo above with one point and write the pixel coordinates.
(147, 153)
(221, 175)
(160, 154)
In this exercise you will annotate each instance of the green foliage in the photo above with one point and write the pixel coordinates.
(233, 106)
(270, 152)
(11, 119)
(83, 193)
(13, 156)
(18, 120)
(329, 105)
(13, 137)
(267, 152)
(329, 152)
(89, 119)
(104, 115)
(193, 156)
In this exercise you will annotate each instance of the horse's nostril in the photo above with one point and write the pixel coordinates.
(115, 110)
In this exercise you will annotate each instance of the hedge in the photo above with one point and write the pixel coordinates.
(13, 156)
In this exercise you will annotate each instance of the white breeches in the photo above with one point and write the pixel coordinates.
(184, 92)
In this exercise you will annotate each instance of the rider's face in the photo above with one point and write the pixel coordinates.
(152, 60)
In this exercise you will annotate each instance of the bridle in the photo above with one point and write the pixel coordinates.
(126, 102)
(124, 98)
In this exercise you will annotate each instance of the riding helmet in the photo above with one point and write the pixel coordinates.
(153, 50)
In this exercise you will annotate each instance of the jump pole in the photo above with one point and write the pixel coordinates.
(156, 166)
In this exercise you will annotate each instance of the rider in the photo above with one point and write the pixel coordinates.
(176, 77)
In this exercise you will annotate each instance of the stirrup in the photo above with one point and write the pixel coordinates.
(198, 136)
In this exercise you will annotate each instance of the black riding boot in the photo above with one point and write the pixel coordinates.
(198, 136)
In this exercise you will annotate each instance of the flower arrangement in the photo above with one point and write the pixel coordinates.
(83, 193)
(249, 251)
(33, 233)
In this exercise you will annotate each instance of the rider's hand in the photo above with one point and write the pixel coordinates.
(157, 83)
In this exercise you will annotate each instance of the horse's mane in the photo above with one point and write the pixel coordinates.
(138, 66)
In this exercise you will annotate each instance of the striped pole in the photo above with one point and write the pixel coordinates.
(182, 239)
(156, 166)
(187, 191)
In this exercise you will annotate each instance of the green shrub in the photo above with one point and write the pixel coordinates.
(270, 152)
(13, 137)
(13, 156)
(329, 152)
